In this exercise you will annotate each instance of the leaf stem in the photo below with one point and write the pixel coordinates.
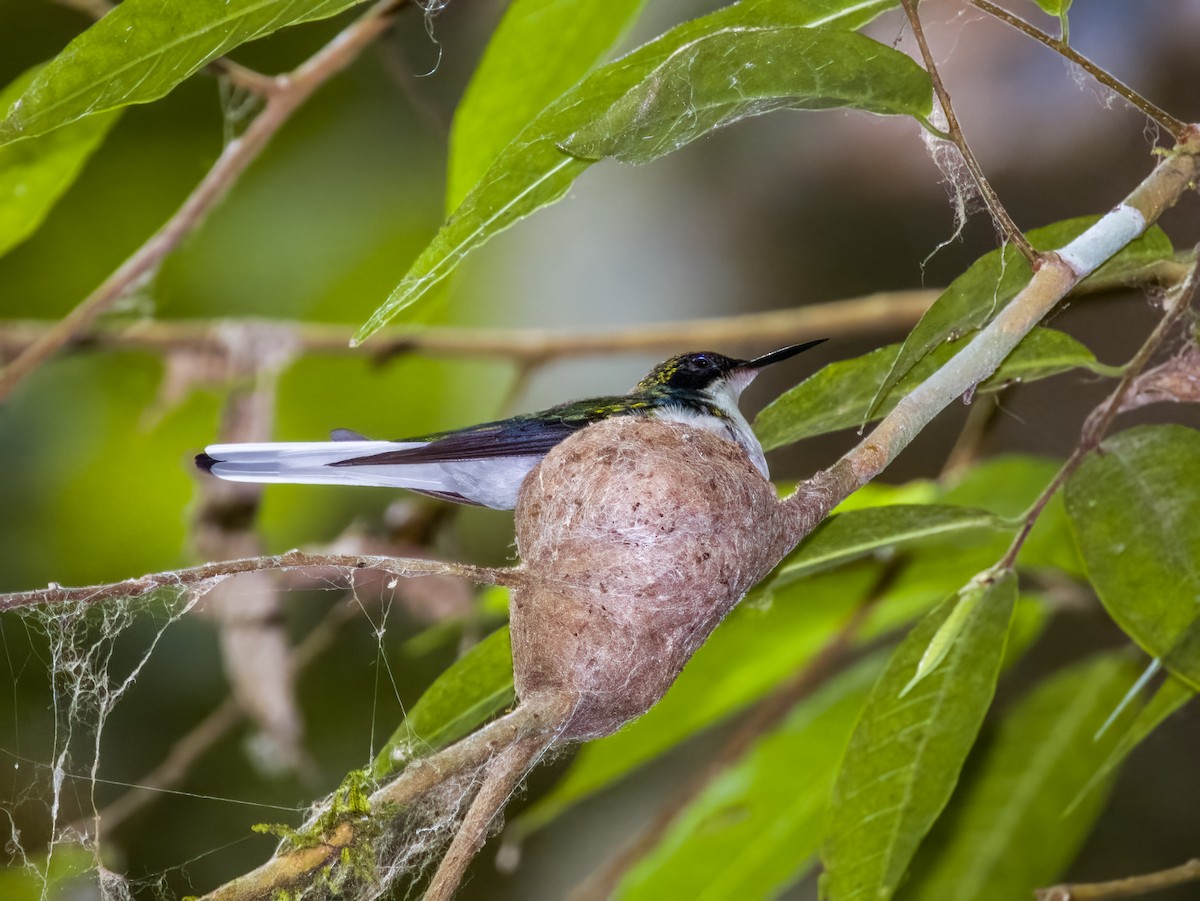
(990, 197)
(1129, 887)
(1060, 45)
(1101, 418)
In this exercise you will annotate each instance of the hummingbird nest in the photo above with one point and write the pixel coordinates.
(637, 536)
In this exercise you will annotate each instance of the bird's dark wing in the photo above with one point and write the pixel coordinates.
(521, 436)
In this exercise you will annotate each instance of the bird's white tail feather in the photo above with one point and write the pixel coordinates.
(309, 463)
(491, 482)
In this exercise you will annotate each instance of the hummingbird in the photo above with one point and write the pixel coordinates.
(485, 464)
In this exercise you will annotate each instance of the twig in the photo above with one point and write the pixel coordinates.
(293, 866)
(293, 90)
(504, 773)
(93, 8)
(1150, 110)
(1129, 887)
(403, 567)
(875, 312)
(1101, 418)
(995, 207)
(878, 312)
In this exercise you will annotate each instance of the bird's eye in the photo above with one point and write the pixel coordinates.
(703, 362)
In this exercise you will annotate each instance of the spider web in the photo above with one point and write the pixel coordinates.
(88, 658)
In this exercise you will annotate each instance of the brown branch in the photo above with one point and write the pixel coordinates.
(995, 207)
(292, 867)
(875, 312)
(880, 312)
(504, 773)
(1101, 418)
(1150, 110)
(200, 576)
(1129, 887)
(93, 8)
(292, 91)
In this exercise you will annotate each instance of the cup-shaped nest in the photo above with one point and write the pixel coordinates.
(636, 537)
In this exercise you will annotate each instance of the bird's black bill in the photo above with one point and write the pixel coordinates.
(783, 353)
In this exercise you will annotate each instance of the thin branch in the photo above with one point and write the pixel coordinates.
(995, 207)
(403, 567)
(292, 867)
(879, 312)
(94, 8)
(1150, 110)
(1130, 887)
(1101, 418)
(293, 91)
(875, 312)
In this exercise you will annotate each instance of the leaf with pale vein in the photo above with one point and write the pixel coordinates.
(141, 50)
(905, 754)
(727, 76)
(533, 170)
(1008, 828)
(857, 533)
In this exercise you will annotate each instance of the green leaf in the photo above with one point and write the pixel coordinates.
(1133, 507)
(757, 826)
(976, 296)
(143, 49)
(1006, 831)
(977, 591)
(733, 74)
(1054, 7)
(533, 170)
(476, 686)
(751, 651)
(840, 395)
(857, 533)
(904, 757)
(540, 49)
(35, 173)
(1170, 697)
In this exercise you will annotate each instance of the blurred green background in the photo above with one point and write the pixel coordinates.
(779, 211)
